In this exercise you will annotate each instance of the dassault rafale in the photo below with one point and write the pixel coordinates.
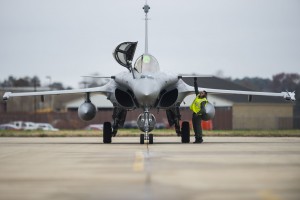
(144, 87)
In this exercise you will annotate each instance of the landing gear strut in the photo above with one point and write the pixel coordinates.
(110, 130)
(119, 116)
(173, 115)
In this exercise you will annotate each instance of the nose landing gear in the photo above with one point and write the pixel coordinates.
(146, 137)
(146, 123)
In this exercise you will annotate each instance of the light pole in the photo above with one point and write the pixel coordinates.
(50, 82)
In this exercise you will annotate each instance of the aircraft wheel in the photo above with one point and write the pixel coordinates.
(185, 132)
(142, 138)
(107, 132)
(150, 138)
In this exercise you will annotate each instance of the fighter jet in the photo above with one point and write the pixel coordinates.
(143, 86)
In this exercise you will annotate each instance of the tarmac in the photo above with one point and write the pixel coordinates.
(85, 168)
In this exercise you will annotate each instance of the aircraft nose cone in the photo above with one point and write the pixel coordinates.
(146, 92)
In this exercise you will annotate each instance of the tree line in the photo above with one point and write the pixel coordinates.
(279, 82)
(35, 82)
(29, 82)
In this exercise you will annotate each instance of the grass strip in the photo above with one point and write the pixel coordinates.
(160, 132)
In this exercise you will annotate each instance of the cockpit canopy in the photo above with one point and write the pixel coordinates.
(124, 53)
(146, 63)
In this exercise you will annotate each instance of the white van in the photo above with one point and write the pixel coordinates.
(17, 124)
(25, 125)
(29, 126)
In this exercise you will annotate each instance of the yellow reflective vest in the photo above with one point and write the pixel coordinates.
(196, 105)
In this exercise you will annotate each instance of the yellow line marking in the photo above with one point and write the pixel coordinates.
(268, 195)
(139, 162)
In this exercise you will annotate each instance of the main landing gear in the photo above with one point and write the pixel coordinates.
(174, 117)
(107, 132)
(185, 132)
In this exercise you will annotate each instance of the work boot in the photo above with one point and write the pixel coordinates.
(198, 140)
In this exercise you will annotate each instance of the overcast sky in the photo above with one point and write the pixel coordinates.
(65, 39)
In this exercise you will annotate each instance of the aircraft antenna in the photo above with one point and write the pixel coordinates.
(146, 9)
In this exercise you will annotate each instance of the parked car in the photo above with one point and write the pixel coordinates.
(160, 126)
(130, 124)
(46, 127)
(29, 126)
(94, 127)
(8, 127)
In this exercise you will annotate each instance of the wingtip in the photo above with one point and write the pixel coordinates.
(6, 96)
(289, 96)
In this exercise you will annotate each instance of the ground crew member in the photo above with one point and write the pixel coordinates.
(198, 108)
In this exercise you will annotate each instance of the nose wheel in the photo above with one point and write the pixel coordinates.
(146, 137)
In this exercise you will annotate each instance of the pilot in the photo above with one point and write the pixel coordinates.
(198, 108)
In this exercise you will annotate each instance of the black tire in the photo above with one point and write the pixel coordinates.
(107, 132)
(142, 138)
(150, 138)
(185, 132)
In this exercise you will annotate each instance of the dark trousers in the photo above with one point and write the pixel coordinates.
(196, 119)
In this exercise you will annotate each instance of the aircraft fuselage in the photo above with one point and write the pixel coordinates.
(146, 87)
